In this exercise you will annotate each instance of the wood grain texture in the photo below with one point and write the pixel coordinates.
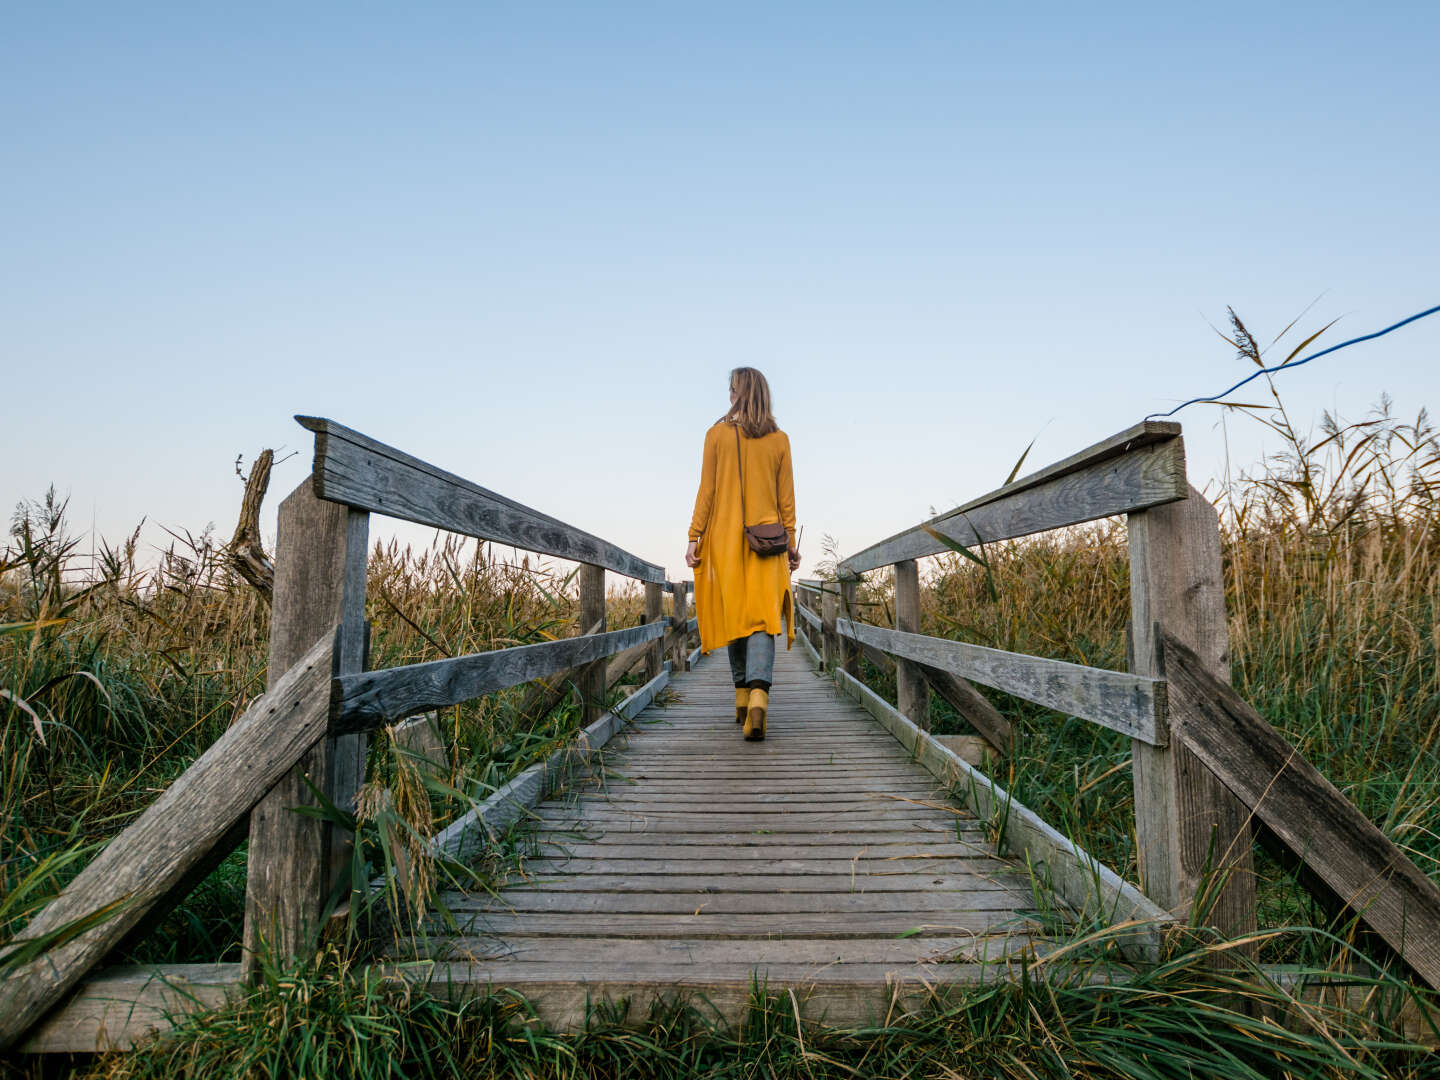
(830, 640)
(422, 741)
(1116, 476)
(144, 862)
(1133, 704)
(1087, 884)
(347, 755)
(823, 836)
(371, 698)
(563, 1000)
(973, 706)
(1358, 862)
(680, 651)
(1182, 812)
(468, 835)
(849, 652)
(294, 861)
(809, 649)
(118, 1007)
(591, 680)
(655, 656)
(361, 472)
(912, 693)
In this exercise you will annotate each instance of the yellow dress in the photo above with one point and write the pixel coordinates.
(737, 592)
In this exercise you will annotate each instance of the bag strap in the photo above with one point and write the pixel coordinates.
(741, 469)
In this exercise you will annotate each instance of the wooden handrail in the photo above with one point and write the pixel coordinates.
(366, 700)
(1140, 467)
(1176, 584)
(1362, 867)
(366, 474)
(142, 866)
(1131, 704)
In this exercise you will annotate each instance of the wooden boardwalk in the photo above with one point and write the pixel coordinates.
(822, 860)
(826, 862)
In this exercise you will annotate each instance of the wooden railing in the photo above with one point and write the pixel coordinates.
(1206, 769)
(310, 729)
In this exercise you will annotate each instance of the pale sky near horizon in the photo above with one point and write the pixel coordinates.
(527, 242)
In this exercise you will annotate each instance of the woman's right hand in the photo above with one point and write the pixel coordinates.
(692, 555)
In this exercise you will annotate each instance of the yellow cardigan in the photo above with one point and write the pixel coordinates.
(736, 591)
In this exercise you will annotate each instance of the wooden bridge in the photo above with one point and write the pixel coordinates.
(852, 858)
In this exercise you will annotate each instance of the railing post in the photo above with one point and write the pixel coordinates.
(829, 638)
(1184, 817)
(911, 690)
(849, 650)
(679, 654)
(295, 861)
(654, 657)
(592, 611)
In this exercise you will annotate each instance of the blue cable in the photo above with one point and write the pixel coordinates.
(1297, 363)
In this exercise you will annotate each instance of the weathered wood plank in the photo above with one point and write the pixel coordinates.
(143, 862)
(1191, 832)
(294, 861)
(1093, 484)
(1087, 884)
(641, 952)
(912, 902)
(679, 657)
(564, 1003)
(785, 795)
(902, 851)
(972, 705)
(809, 649)
(844, 874)
(687, 881)
(118, 1007)
(422, 741)
(835, 805)
(469, 834)
(829, 639)
(1132, 704)
(591, 681)
(361, 472)
(371, 698)
(911, 692)
(347, 754)
(1359, 863)
(809, 617)
(655, 656)
(849, 653)
(705, 925)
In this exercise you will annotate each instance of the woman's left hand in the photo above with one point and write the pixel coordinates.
(692, 555)
(794, 557)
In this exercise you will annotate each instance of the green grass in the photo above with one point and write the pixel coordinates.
(1183, 1018)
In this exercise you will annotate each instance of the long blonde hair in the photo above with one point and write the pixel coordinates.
(752, 404)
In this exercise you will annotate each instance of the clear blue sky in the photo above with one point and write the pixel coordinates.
(528, 241)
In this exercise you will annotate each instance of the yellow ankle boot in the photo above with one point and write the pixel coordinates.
(742, 704)
(759, 703)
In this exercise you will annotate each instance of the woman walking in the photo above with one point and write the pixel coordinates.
(743, 545)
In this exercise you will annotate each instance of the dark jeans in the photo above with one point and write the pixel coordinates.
(752, 660)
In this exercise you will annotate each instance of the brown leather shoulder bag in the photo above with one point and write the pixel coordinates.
(768, 539)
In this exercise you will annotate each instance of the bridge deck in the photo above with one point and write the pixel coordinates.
(822, 859)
